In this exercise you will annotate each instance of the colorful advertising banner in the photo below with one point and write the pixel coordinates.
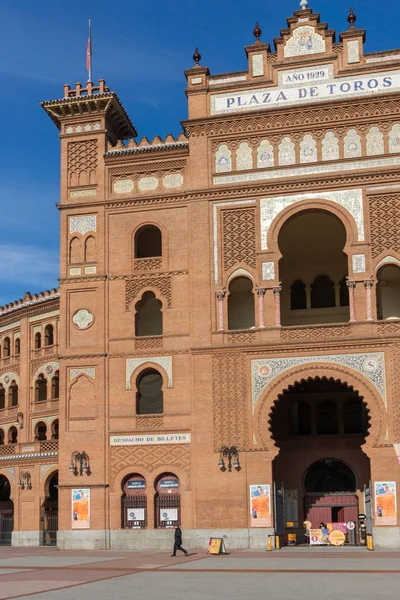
(323, 535)
(81, 509)
(385, 503)
(260, 506)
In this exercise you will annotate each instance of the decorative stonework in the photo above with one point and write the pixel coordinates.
(370, 365)
(223, 159)
(148, 264)
(83, 318)
(314, 333)
(394, 139)
(308, 149)
(239, 241)
(82, 193)
(353, 52)
(352, 144)
(330, 146)
(150, 458)
(90, 270)
(149, 423)
(82, 224)
(384, 213)
(173, 180)
(133, 363)
(82, 162)
(305, 40)
(286, 152)
(244, 157)
(147, 184)
(11, 472)
(374, 141)
(133, 285)
(123, 186)
(7, 378)
(358, 263)
(90, 372)
(74, 271)
(83, 127)
(229, 401)
(351, 200)
(48, 369)
(44, 469)
(265, 155)
(257, 65)
(148, 343)
(268, 271)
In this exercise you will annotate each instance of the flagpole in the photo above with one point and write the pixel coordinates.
(89, 52)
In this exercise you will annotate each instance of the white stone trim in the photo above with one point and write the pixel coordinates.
(133, 363)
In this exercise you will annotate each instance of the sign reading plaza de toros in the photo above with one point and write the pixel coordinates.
(308, 88)
(143, 440)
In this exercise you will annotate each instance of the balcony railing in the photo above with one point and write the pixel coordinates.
(28, 450)
(45, 406)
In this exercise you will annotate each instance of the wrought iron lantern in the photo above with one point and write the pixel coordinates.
(79, 463)
(232, 455)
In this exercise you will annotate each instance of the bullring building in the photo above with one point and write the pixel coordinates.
(223, 350)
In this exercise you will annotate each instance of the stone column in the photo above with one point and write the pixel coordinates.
(261, 294)
(369, 284)
(277, 294)
(220, 310)
(351, 285)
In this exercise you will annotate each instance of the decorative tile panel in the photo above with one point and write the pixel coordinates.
(173, 180)
(83, 318)
(223, 159)
(304, 41)
(82, 193)
(82, 224)
(244, 157)
(123, 186)
(7, 378)
(352, 144)
(374, 141)
(265, 155)
(48, 369)
(370, 365)
(330, 146)
(147, 184)
(257, 64)
(358, 263)
(74, 271)
(268, 271)
(196, 80)
(353, 52)
(394, 139)
(11, 472)
(90, 372)
(90, 270)
(308, 149)
(351, 200)
(286, 152)
(133, 363)
(44, 469)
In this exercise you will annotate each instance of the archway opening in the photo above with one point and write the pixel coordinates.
(6, 512)
(50, 511)
(241, 304)
(313, 269)
(133, 502)
(319, 425)
(388, 292)
(167, 501)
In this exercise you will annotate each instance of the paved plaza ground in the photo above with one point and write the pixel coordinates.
(288, 574)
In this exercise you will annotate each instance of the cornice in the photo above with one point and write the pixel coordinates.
(82, 279)
(30, 309)
(78, 356)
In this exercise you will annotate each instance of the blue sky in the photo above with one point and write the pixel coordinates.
(140, 48)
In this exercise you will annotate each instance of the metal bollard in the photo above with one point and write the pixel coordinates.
(277, 542)
(269, 545)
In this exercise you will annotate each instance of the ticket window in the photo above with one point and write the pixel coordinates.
(134, 503)
(167, 502)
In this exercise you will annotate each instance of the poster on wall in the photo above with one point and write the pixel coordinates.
(81, 509)
(168, 514)
(385, 503)
(135, 514)
(260, 506)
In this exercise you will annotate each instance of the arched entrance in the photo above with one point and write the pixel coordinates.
(134, 502)
(6, 512)
(167, 501)
(50, 511)
(319, 426)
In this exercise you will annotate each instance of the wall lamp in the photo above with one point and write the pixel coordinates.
(229, 453)
(79, 463)
(25, 481)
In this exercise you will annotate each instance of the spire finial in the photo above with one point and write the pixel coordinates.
(257, 32)
(197, 57)
(351, 18)
(303, 4)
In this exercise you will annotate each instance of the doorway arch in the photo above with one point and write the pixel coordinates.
(6, 512)
(49, 517)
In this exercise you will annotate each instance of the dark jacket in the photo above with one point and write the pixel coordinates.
(178, 536)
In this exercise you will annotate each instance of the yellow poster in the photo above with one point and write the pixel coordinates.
(214, 546)
(81, 509)
(260, 506)
(385, 503)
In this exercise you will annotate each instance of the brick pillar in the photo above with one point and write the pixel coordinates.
(369, 284)
(261, 294)
(351, 285)
(220, 310)
(277, 295)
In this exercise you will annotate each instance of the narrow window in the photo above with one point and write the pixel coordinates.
(13, 394)
(2, 397)
(149, 395)
(6, 347)
(148, 242)
(241, 304)
(41, 388)
(298, 298)
(49, 335)
(12, 435)
(55, 385)
(148, 316)
(323, 292)
(38, 340)
(327, 418)
(17, 347)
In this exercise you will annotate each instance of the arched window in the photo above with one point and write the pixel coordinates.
(241, 304)
(75, 251)
(148, 242)
(343, 292)
(167, 501)
(323, 292)
(298, 298)
(2, 396)
(54, 430)
(148, 316)
(13, 394)
(49, 335)
(300, 418)
(134, 501)
(17, 347)
(388, 292)
(1, 437)
(41, 432)
(90, 249)
(55, 385)
(149, 394)
(41, 388)
(353, 416)
(6, 347)
(12, 435)
(327, 418)
(38, 340)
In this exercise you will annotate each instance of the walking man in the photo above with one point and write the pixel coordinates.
(178, 542)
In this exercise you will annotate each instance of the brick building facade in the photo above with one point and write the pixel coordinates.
(228, 310)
